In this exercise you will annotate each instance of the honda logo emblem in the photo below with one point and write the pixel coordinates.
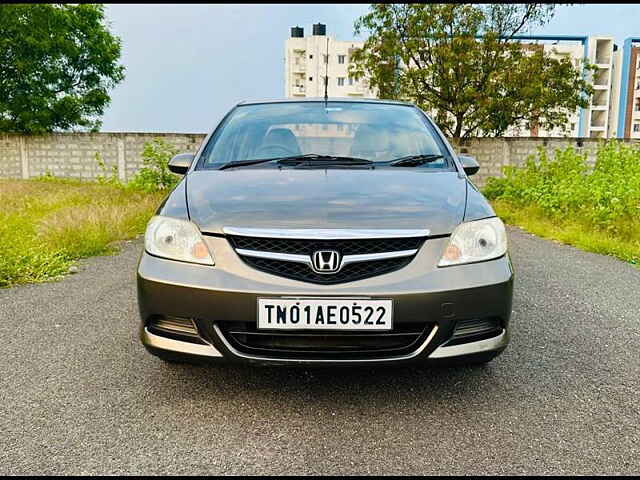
(326, 261)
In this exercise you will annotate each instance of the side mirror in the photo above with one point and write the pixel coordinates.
(470, 165)
(181, 163)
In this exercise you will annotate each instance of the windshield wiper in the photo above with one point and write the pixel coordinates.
(315, 159)
(246, 163)
(414, 160)
(310, 159)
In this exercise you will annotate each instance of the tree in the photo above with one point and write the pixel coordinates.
(57, 65)
(461, 63)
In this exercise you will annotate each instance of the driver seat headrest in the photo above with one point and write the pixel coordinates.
(282, 137)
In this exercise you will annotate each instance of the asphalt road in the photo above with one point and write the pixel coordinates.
(80, 395)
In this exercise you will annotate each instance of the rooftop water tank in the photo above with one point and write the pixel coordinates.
(319, 29)
(297, 32)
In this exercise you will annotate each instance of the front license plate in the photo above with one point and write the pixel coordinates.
(324, 314)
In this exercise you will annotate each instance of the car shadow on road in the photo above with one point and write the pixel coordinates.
(325, 385)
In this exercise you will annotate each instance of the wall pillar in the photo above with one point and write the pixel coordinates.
(122, 164)
(24, 157)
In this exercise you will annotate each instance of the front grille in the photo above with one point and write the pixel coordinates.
(345, 247)
(303, 272)
(246, 338)
(349, 273)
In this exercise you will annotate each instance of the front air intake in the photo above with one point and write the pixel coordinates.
(177, 328)
(474, 329)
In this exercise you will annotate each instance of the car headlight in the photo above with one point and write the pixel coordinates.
(475, 241)
(176, 239)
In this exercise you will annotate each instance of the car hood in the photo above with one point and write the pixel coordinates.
(326, 198)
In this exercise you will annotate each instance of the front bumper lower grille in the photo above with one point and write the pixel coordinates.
(246, 338)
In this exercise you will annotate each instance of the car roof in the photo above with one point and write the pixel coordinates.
(330, 99)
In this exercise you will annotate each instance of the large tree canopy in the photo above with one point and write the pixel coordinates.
(461, 63)
(57, 65)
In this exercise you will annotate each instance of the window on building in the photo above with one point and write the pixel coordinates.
(311, 79)
(325, 58)
(341, 59)
(636, 127)
(310, 57)
(350, 80)
(340, 81)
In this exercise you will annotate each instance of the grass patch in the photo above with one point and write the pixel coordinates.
(47, 224)
(570, 232)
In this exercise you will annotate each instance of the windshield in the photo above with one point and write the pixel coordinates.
(373, 131)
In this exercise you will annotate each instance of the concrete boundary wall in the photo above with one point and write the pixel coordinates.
(75, 155)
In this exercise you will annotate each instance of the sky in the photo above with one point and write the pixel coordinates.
(187, 65)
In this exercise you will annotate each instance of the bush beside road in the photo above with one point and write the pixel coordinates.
(48, 224)
(563, 198)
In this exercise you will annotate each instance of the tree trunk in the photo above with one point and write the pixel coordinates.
(457, 133)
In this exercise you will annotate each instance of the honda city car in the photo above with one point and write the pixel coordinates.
(325, 232)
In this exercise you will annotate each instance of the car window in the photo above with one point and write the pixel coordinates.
(373, 131)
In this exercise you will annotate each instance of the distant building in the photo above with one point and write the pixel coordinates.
(305, 66)
(614, 109)
(629, 99)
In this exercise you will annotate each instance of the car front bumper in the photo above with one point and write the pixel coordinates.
(228, 292)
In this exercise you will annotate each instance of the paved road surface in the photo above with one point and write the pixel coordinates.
(79, 394)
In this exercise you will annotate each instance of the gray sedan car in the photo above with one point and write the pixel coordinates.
(325, 232)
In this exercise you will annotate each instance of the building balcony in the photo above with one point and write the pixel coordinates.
(299, 67)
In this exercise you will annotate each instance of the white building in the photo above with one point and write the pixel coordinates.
(305, 66)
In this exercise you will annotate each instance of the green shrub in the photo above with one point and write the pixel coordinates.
(155, 174)
(109, 176)
(605, 197)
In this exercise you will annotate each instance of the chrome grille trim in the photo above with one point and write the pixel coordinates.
(367, 257)
(285, 257)
(325, 233)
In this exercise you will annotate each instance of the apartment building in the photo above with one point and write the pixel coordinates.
(628, 125)
(306, 65)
